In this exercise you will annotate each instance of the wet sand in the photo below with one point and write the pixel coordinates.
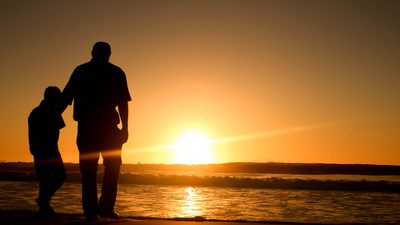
(29, 217)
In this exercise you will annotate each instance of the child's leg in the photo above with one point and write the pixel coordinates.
(44, 175)
(59, 174)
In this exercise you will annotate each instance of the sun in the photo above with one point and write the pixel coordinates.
(192, 147)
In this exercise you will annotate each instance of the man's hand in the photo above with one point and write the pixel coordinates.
(124, 135)
(123, 112)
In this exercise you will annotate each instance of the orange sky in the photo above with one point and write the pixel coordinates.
(325, 74)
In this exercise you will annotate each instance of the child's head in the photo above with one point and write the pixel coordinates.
(52, 94)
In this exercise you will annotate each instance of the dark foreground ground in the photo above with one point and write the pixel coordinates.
(28, 217)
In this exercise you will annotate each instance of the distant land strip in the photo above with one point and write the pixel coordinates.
(235, 167)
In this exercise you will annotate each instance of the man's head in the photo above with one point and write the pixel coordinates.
(52, 94)
(101, 51)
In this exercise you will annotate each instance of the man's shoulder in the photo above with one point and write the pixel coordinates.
(90, 64)
(115, 67)
(84, 65)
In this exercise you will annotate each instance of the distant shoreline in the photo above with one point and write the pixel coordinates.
(241, 167)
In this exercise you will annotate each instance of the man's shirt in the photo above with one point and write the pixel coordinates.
(96, 89)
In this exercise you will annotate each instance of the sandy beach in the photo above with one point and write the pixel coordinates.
(30, 217)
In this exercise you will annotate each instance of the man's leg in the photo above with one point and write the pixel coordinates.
(112, 162)
(88, 142)
(88, 165)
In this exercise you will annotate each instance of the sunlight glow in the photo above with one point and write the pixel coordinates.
(192, 147)
(274, 132)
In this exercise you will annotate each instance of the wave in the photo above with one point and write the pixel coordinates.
(228, 182)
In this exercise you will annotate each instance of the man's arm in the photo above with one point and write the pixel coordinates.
(123, 112)
(66, 97)
(61, 106)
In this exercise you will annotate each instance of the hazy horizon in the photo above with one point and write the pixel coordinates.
(237, 162)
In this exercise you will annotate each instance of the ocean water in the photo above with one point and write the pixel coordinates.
(227, 197)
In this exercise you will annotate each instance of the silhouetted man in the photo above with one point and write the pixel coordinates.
(97, 89)
(44, 130)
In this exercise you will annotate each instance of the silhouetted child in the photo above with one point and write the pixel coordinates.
(44, 130)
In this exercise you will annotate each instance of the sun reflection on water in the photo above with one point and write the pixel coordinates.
(191, 203)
